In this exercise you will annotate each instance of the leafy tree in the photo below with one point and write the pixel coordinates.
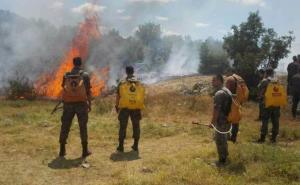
(251, 45)
(133, 51)
(213, 58)
(149, 33)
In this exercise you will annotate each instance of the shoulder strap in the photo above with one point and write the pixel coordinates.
(227, 93)
(81, 72)
(236, 83)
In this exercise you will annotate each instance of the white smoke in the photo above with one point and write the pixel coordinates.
(184, 60)
(29, 47)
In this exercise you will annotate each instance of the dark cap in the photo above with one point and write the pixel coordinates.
(77, 61)
(129, 70)
(295, 58)
(269, 71)
(261, 70)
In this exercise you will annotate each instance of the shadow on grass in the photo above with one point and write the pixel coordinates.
(125, 156)
(234, 168)
(63, 163)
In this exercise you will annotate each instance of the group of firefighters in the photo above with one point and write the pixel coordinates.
(230, 94)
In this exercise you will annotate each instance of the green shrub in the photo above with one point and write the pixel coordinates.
(20, 88)
(104, 105)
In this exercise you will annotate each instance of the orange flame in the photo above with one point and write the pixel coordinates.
(98, 84)
(49, 85)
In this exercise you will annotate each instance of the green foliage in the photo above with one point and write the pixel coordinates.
(20, 88)
(103, 106)
(149, 33)
(147, 45)
(251, 45)
(213, 57)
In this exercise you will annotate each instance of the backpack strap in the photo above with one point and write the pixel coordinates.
(235, 84)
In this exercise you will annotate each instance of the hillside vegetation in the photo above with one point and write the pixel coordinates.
(173, 151)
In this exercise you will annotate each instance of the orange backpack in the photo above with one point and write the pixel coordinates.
(235, 114)
(242, 91)
(74, 89)
(234, 109)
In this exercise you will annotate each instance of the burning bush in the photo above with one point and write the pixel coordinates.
(20, 88)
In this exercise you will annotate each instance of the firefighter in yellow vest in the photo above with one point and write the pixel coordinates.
(268, 112)
(129, 103)
(76, 98)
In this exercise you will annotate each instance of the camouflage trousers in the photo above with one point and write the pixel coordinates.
(69, 112)
(221, 140)
(272, 113)
(135, 116)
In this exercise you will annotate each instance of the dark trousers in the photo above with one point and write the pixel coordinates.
(135, 116)
(69, 111)
(272, 113)
(234, 131)
(296, 99)
(221, 139)
(261, 107)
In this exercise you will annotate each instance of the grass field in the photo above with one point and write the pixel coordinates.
(172, 150)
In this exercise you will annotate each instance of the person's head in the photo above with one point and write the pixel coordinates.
(269, 72)
(229, 72)
(129, 70)
(218, 81)
(295, 59)
(261, 73)
(77, 62)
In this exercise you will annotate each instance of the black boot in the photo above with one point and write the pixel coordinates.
(273, 139)
(62, 151)
(120, 148)
(135, 145)
(261, 139)
(222, 160)
(232, 139)
(85, 151)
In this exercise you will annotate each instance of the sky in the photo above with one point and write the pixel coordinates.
(198, 18)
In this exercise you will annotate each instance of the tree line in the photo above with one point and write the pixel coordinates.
(248, 47)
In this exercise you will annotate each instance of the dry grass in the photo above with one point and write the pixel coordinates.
(172, 150)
